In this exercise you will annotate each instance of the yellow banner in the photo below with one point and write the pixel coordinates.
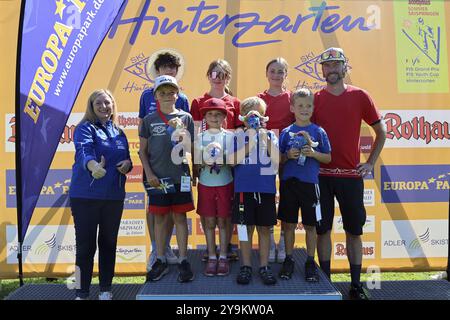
(397, 51)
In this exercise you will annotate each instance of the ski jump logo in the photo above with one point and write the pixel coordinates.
(423, 238)
(312, 68)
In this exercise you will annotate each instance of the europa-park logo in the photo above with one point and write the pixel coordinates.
(415, 183)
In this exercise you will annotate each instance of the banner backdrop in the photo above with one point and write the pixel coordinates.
(397, 50)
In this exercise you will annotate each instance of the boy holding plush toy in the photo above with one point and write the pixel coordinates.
(303, 146)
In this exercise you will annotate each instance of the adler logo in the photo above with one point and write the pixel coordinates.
(415, 183)
(414, 238)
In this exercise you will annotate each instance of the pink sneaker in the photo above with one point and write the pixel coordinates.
(211, 268)
(223, 267)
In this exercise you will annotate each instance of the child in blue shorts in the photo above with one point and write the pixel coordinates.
(303, 146)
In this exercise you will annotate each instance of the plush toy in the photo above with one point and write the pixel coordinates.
(254, 119)
(211, 153)
(298, 141)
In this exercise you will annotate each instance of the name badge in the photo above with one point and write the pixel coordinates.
(242, 232)
(318, 212)
(185, 184)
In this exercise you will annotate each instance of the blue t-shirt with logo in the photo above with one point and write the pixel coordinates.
(309, 172)
(147, 104)
(256, 172)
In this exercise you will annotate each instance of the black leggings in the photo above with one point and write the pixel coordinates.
(87, 215)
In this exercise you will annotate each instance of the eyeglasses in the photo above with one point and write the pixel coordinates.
(332, 54)
(218, 75)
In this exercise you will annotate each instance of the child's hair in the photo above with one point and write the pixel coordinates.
(226, 68)
(167, 59)
(252, 102)
(301, 93)
(280, 60)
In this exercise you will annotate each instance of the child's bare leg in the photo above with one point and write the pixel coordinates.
(161, 233)
(223, 235)
(289, 236)
(210, 234)
(182, 233)
(311, 240)
(246, 247)
(264, 245)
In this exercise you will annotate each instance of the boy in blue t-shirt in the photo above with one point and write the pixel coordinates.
(256, 162)
(303, 146)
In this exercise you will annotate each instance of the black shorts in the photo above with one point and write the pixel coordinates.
(349, 193)
(295, 194)
(259, 209)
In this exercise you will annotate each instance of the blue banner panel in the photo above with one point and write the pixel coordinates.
(59, 41)
(415, 183)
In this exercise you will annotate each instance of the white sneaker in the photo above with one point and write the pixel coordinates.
(151, 260)
(107, 295)
(272, 250)
(80, 298)
(171, 257)
(281, 250)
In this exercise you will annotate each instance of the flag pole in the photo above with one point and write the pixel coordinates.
(17, 144)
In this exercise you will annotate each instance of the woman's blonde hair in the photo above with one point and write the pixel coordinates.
(90, 114)
(250, 103)
(225, 66)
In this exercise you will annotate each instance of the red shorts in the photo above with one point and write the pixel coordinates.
(215, 201)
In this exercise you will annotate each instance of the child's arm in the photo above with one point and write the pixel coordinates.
(143, 155)
(291, 154)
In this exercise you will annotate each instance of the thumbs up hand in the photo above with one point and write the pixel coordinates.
(97, 168)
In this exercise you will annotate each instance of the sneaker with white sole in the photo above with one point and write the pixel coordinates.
(171, 257)
(107, 295)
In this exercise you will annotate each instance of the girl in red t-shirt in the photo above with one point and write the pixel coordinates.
(277, 98)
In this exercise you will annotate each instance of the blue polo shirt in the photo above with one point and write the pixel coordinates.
(93, 140)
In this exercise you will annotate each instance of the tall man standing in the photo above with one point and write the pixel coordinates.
(340, 109)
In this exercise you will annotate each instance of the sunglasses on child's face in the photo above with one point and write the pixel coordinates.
(218, 75)
(331, 54)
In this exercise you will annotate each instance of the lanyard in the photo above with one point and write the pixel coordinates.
(161, 115)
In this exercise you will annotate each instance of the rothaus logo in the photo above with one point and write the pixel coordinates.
(417, 128)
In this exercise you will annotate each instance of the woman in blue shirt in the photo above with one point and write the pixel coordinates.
(97, 190)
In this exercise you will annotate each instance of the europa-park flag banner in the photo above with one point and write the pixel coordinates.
(59, 42)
